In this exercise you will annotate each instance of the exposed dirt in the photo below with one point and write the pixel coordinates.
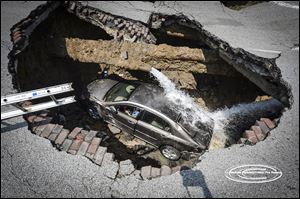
(141, 56)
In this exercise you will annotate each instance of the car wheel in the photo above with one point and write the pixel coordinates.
(170, 152)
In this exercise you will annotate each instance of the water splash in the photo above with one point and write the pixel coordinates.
(181, 101)
(224, 118)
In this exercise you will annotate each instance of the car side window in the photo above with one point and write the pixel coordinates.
(131, 111)
(156, 121)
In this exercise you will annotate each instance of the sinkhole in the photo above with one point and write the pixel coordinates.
(76, 43)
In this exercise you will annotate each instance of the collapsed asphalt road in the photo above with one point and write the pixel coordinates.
(31, 167)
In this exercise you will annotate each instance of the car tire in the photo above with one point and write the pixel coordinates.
(170, 152)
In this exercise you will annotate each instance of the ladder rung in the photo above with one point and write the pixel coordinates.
(38, 107)
(34, 94)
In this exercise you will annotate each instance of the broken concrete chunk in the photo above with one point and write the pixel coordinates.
(66, 145)
(165, 170)
(90, 136)
(111, 170)
(39, 129)
(250, 135)
(108, 159)
(146, 172)
(83, 148)
(258, 132)
(74, 133)
(137, 174)
(126, 168)
(268, 122)
(57, 129)
(98, 158)
(114, 129)
(93, 147)
(52, 136)
(155, 172)
(62, 136)
(74, 146)
(47, 130)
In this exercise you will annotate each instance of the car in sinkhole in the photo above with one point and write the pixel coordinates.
(142, 110)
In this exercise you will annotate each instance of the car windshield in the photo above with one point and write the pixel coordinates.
(120, 92)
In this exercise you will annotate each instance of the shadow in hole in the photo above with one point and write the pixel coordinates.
(194, 178)
(10, 127)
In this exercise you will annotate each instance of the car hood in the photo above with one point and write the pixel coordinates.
(99, 88)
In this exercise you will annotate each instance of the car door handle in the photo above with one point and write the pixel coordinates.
(131, 122)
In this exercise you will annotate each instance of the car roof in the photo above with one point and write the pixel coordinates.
(152, 96)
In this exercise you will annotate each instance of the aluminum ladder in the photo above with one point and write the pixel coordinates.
(14, 99)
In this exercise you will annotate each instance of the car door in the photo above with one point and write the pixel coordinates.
(152, 128)
(126, 117)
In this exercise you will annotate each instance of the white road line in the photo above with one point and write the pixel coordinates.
(284, 4)
(265, 51)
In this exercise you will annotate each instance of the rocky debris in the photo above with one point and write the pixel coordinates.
(119, 27)
(258, 132)
(185, 80)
